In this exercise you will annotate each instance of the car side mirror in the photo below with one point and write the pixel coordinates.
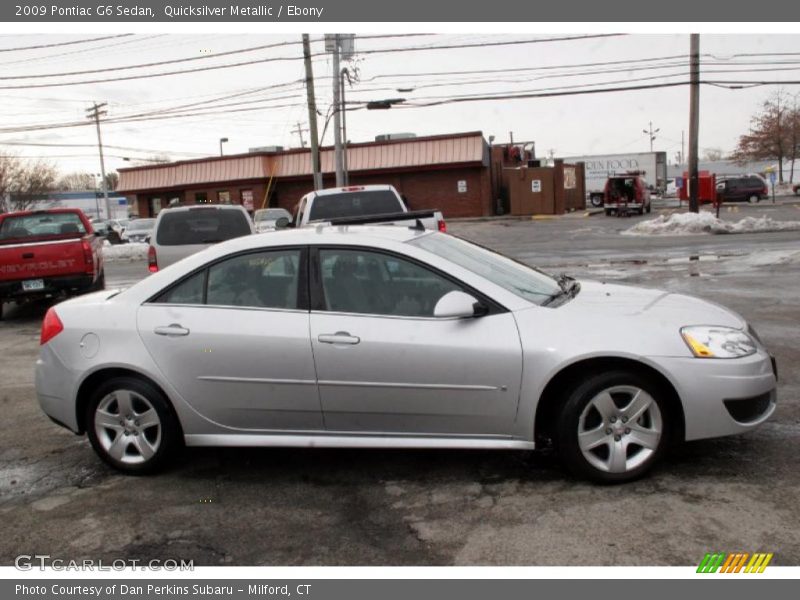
(282, 223)
(458, 305)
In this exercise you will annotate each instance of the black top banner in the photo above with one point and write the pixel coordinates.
(344, 11)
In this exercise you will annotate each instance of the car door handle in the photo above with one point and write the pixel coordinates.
(171, 330)
(340, 337)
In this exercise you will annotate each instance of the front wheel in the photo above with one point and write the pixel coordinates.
(597, 201)
(131, 425)
(614, 427)
(754, 199)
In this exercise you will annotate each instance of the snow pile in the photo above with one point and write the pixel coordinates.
(120, 252)
(706, 222)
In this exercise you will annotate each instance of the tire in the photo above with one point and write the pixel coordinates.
(100, 282)
(754, 199)
(132, 426)
(592, 410)
(596, 200)
(113, 238)
(649, 208)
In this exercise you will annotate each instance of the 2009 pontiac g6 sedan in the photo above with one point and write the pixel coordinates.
(385, 336)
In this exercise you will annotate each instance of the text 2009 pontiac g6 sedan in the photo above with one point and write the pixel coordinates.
(393, 337)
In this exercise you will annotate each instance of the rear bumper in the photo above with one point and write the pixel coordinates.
(52, 285)
(55, 386)
(724, 396)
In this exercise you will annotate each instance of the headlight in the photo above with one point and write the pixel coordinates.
(718, 342)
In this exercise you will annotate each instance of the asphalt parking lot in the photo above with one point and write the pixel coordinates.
(347, 507)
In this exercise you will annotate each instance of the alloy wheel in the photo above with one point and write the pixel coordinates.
(127, 426)
(620, 429)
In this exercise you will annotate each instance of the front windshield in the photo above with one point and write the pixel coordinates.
(522, 280)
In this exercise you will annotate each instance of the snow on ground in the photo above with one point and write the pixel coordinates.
(706, 222)
(121, 252)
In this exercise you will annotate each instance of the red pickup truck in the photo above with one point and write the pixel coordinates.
(48, 252)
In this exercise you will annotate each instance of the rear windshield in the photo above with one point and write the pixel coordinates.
(201, 226)
(354, 204)
(42, 224)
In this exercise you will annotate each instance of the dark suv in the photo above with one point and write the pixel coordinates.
(740, 189)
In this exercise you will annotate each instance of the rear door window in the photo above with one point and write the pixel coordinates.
(201, 226)
(258, 280)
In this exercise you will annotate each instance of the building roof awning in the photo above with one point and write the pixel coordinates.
(457, 149)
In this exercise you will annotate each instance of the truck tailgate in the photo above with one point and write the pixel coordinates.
(35, 260)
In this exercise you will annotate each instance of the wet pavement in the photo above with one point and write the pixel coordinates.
(348, 507)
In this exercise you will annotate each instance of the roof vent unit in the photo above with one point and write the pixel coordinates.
(266, 149)
(385, 137)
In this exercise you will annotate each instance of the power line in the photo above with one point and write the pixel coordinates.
(87, 41)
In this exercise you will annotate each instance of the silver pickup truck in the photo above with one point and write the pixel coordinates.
(337, 205)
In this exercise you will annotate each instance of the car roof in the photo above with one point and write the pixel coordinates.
(352, 188)
(192, 207)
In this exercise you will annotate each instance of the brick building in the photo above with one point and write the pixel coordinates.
(448, 172)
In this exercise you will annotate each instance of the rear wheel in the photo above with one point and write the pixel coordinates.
(131, 425)
(754, 199)
(596, 200)
(614, 427)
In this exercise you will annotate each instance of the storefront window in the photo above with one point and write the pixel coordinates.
(224, 197)
(201, 198)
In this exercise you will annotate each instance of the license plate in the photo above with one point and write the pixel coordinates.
(32, 285)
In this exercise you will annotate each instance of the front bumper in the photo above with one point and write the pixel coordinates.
(723, 396)
(55, 387)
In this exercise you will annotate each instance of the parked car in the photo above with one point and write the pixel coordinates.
(266, 219)
(367, 201)
(625, 193)
(671, 190)
(181, 231)
(743, 189)
(396, 337)
(138, 231)
(47, 253)
(106, 230)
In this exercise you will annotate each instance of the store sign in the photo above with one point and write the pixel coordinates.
(536, 185)
(462, 186)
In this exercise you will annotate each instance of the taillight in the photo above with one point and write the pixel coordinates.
(51, 326)
(442, 225)
(87, 256)
(152, 261)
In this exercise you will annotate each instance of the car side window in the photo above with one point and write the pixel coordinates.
(360, 281)
(190, 291)
(258, 280)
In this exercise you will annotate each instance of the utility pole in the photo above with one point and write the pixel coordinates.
(683, 146)
(95, 113)
(694, 119)
(312, 114)
(652, 134)
(345, 174)
(337, 125)
(299, 131)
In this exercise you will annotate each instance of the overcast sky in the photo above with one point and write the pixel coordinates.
(567, 125)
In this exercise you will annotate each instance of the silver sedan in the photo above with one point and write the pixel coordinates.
(393, 337)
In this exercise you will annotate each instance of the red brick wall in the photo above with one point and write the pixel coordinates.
(422, 190)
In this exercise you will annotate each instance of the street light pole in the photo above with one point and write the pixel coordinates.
(652, 134)
(221, 140)
(312, 114)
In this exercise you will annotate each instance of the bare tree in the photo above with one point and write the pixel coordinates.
(76, 182)
(770, 133)
(21, 181)
(712, 154)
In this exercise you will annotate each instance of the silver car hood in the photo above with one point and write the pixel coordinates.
(605, 300)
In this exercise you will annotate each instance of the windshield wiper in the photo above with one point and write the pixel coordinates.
(569, 288)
